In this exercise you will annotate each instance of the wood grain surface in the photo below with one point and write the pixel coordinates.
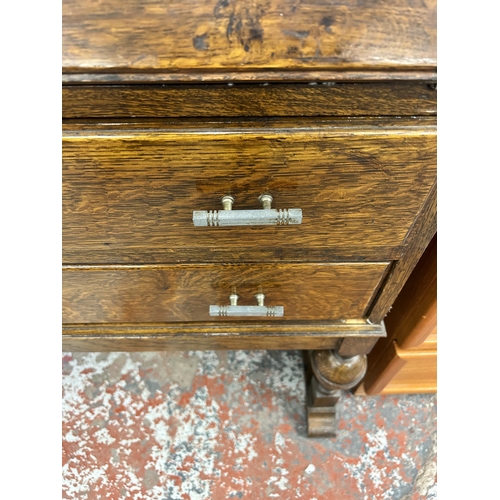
(421, 233)
(403, 371)
(129, 190)
(411, 325)
(334, 373)
(261, 40)
(338, 76)
(326, 99)
(351, 346)
(413, 316)
(185, 292)
(235, 335)
(419, 374)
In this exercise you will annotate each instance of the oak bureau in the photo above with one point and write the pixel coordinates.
(246, 175)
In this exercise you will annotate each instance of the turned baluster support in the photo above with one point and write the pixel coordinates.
(330, 373)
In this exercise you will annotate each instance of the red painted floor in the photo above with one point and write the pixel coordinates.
(220, 425)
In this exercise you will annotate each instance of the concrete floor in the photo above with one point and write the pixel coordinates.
(216, 425)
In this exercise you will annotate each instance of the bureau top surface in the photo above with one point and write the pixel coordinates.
(113, 41)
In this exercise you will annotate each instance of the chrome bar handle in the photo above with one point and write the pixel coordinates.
(235, 310)
(267, 216)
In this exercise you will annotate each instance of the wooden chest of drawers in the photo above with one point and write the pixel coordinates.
(327, 108)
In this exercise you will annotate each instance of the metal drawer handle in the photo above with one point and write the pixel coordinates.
(267, 216)
(236, 310)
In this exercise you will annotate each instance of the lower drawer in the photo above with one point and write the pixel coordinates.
(184, 293)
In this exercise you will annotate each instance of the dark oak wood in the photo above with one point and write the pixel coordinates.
(184, 292)
(352, 346)
(322, 412)
(235, 335)
(272, 76)
(328, 105)
(419, 236)
(129, 190)
(206, 40)
(325, 99)
(327, 373)
(334, 372)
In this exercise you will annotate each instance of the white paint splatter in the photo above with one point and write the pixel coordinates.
(104, 437)
(310, 469)
(368, 464)
(282, 483)
(279, 442)
(70, 437)
(82, 480)
(243, 443)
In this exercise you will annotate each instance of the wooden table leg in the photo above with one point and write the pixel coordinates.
(327, 374)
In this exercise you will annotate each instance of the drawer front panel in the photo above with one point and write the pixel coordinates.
(183, 293)
(129, 193)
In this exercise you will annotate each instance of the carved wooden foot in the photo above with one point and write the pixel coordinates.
(327, 373)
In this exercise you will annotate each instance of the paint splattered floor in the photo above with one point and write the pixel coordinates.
(217, 425)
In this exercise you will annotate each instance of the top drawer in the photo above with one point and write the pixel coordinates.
(129, 190)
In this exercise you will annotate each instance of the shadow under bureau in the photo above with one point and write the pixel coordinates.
(243, 176)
